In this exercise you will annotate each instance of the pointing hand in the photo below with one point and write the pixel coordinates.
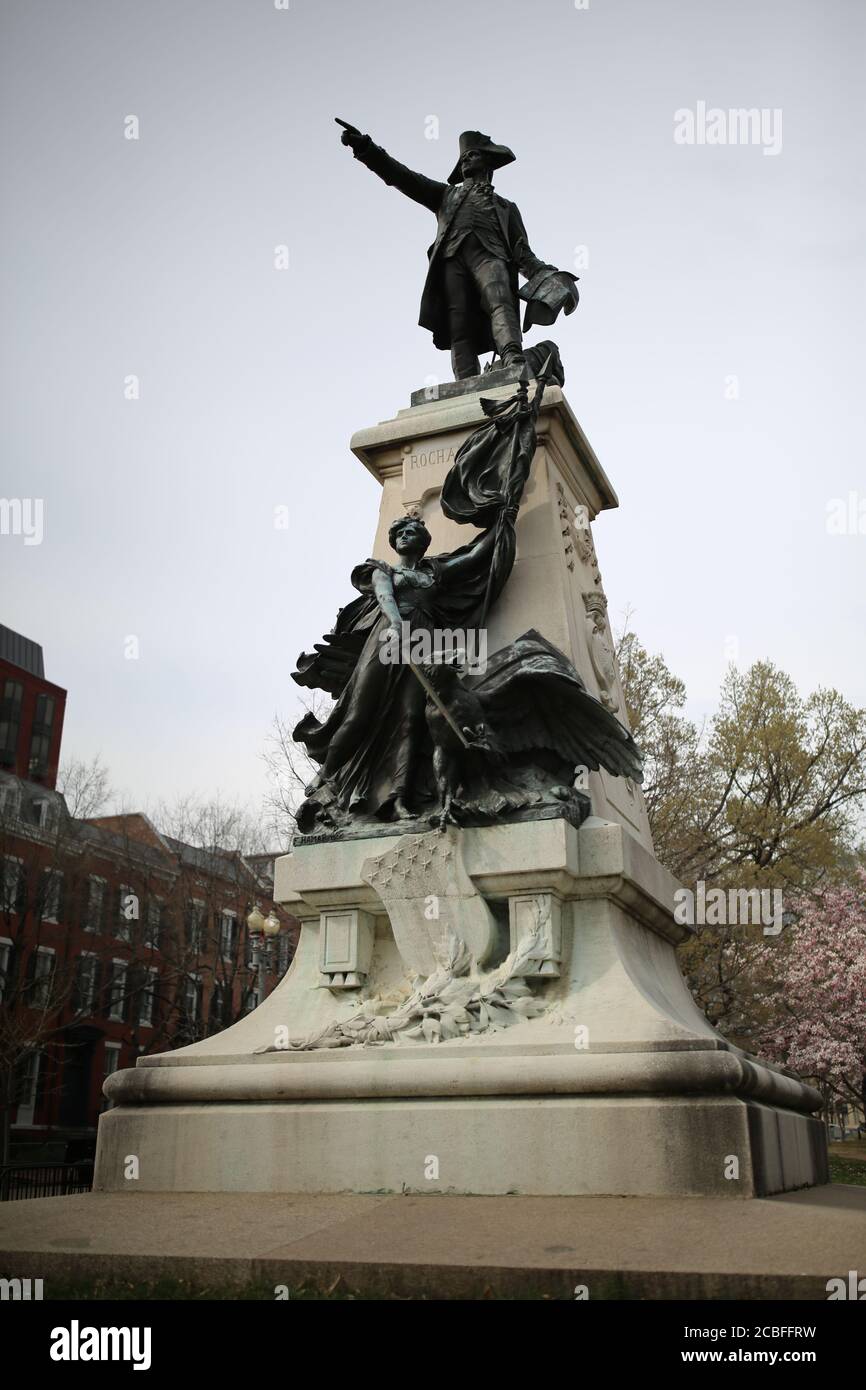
(351, 135)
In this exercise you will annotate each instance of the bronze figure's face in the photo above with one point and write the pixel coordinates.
(409, 536)
(474, 165)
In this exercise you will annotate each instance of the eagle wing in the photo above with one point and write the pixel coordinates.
(534, 698)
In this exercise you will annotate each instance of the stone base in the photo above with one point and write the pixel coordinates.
(474, 385)
(555, 1146)
(614, 1082)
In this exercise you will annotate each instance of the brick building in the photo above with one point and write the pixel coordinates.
(31, 712)
(115, 940)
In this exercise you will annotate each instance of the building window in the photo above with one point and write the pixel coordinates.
(5, 964)
(43, 977)
(195, 914)
(40, 738)
(95, 904)
(228, 935)
(9, 801)
(52, 895)
(219, 1004)
(117, 991)
(127, 912)
(147, 999)
(27, 1088)
(85, 985)
(191, 993)
(153, 923)
(10, 721)
(12, 885)
(110, 1066)
(45, 814)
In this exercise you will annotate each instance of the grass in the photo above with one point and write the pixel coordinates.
(848, 1162)
(174, 1290)
(179, 1290)
(851, 1148)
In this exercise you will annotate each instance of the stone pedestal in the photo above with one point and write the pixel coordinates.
(556, 585)
(618, 1086)
(554, 1048)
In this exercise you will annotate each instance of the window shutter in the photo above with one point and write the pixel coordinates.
(63, 899)
(87, 985)
(12, 962)
(123, 994)
(136, 983)
(21, 891)
(154, 984)
(21, 1081)
(78, 901)
(40, 1084)
(100, 1002)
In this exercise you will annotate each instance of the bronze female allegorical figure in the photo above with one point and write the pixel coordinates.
(413, 736)
(369, 743)
(471, 300)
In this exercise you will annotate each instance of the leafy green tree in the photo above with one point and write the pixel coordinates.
(769, 793)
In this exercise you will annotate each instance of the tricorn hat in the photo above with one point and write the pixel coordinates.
(474, 140)
(548, 291)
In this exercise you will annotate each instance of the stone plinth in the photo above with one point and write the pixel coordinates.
(618, 1086)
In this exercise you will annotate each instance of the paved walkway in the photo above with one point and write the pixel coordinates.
(442, 1246)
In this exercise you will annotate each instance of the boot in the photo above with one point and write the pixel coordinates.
(464, 360)
(513, 355)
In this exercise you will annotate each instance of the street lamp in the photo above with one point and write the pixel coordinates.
(262, 931)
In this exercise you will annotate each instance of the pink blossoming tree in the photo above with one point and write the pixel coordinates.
(820, 1030)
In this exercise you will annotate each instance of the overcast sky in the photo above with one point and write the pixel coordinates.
(715, 361)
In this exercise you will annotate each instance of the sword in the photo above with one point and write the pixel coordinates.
(437, 700)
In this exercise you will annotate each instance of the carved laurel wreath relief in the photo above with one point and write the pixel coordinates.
(452, 1003)
(579, 546)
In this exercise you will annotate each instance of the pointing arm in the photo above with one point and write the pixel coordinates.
(422, 190)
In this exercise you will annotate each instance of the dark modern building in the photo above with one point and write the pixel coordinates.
(31, 712)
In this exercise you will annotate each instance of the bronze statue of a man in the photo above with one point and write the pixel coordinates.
(470, 299)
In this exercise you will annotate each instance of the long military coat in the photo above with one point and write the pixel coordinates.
(444, 199)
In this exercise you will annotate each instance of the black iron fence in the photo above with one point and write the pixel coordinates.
(20, 1180)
